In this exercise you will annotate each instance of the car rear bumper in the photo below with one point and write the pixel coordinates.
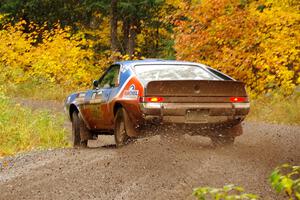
(195, 113)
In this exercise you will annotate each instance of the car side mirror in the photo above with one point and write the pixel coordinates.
(95, 84)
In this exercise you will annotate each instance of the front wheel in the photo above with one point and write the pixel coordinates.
(80, 133)
(121, 127)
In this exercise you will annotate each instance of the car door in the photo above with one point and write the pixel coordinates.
(101, 97)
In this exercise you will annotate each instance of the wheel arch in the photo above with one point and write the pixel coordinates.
(116, 107)
(73, 108)
(131, 131)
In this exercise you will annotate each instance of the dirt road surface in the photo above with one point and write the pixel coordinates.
(151, 168)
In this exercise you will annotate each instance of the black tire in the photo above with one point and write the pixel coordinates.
(80, 133)
(120, 131)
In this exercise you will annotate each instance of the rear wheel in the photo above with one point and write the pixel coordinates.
(120, 132)
(80, 133)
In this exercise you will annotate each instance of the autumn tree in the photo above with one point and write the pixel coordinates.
(135, 16)
(256, 42)
(114, 25)
(128, 18)
(51, 11)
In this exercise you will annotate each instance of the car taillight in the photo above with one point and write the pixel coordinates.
(238, 99)
(152, 99)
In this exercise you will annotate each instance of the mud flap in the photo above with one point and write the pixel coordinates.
(130, 129)
(85, 134)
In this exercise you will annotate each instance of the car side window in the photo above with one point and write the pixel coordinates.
(110, 79)
(219, 74)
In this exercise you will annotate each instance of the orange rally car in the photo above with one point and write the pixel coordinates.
(134, 96)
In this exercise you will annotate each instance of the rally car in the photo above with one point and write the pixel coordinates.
(132, 96)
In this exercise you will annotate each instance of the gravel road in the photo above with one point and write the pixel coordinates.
(151, 168)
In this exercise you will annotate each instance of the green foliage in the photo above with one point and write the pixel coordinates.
(228, 192)
(145, 17)
(68, 12)
(286, 178)
(22, 129)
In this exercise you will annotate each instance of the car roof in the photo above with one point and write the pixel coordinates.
(131, 63)
(156, 61)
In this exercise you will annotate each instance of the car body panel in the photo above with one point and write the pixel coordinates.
(187, 102)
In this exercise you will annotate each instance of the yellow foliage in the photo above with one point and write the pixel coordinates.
(260, 48)
(61, 57)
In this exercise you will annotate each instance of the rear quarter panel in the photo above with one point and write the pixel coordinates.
(127, 95)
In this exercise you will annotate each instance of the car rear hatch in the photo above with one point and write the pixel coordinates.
(196, 100)
(195, 88)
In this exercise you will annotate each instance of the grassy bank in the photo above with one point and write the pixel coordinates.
(22, 129)
(277, 109)
(33, 90)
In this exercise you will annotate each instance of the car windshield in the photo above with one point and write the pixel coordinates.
(172, 72)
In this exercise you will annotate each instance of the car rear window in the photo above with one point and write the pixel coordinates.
(173, 72)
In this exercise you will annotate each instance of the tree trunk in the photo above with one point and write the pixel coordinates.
(131, 42)
(114, 25)
(126, 27)
(133, 31)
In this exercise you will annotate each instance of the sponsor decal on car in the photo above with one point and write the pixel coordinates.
(131, 94)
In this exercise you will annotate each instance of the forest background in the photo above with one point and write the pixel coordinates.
(69, 43)
(50, 48)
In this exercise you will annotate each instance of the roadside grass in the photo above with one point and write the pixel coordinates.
(34, 90)
(22, 129)
(277, 109)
